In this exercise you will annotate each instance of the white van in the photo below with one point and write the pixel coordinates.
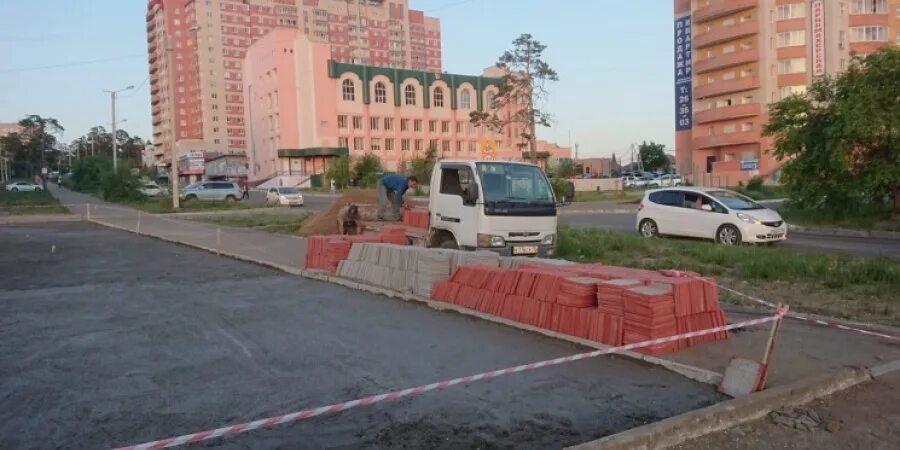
(507, 207)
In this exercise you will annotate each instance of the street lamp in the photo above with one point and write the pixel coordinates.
(112, 97)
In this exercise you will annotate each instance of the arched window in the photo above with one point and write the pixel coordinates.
(489, 100)
(380, 93)
(465, 102)
(438, 97)
(349, 90)
(410, 95)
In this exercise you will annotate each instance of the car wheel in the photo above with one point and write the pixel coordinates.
(37, 189)
(728, 235)
(15, 189)
(648, 228)
(191, 197)
(231, 199)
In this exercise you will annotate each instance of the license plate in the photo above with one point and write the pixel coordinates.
(525, 250)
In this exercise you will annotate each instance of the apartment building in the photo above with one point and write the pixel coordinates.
(735, 57)
(196, 50)
(304, 108)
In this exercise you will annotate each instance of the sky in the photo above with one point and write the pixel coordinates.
(614, 60)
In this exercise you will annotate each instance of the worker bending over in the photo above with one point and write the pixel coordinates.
(390, 191)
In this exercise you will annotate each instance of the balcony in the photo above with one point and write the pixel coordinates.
(722, 34)
(156, 111)
(721, 9)
(721, 140)
(726, 87)
(151, 24)
(728, 112)
(726, 60)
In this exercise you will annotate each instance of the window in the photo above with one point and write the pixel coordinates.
(410, 95)
(418, 145)
(871, 33)
(728, 76)
(747, 126)
(357, 122)
(357, 143)
(438, 97)
(349, 90)
(668, 198)
(472, 146)
(376, 144)
(432, 126)
(790, 11)
(417, 125)
(459, 127)
(343, 142)
(793, 65)
(380, 93)
(388, 124)
(373, 123)
(787, 91)
(791, 38)
(445, 146)
(455, 181)
(868, 7)
(465, 101)
(404, 145)
(727, 49)
(445, 126)
(459, 146)
(730, 128)
(489, 99)
(342, 122)
(404, 124)
(433, 144)
(389, 145)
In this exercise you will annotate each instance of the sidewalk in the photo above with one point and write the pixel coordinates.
(803, 350)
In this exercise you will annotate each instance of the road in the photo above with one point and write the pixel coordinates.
(312, 200)
(112, 338)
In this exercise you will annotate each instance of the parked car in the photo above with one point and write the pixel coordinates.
(151, 189)
(23, 186)
(212, 190)
(670, 180)
(708, 213)
(284, 196)
(638, 180)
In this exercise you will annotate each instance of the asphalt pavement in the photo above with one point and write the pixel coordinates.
(109, 338)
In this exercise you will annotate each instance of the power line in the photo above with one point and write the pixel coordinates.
(135, 90)
(74, 63)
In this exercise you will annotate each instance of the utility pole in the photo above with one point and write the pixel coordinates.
(44, 169)
(115, 150)
(173, 144)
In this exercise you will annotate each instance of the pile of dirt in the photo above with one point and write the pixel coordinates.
(325, 221)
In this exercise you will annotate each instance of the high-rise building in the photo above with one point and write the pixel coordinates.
(196, 49)
(733, 58)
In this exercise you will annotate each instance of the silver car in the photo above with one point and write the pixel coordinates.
(284, 196)
(212, 191)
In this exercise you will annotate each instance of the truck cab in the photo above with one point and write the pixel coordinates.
(503, 206)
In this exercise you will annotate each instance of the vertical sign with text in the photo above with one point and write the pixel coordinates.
(683, 91)
(818, 37)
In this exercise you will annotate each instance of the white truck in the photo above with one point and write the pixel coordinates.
(507, 207)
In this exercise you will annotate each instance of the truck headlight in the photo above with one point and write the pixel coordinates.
(748, 218)
(489, 240)
(549, 239)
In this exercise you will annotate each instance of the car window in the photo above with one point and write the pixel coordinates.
(670, 198)
(735, 201)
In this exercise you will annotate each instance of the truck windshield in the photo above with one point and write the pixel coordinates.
(514, 185)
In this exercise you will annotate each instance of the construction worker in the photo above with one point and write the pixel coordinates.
(390, 192)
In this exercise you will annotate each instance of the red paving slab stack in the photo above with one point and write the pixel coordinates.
(416, 217)
(578, 292)
(326, 252)
(393, 235)
(611, 295)
(650, 314)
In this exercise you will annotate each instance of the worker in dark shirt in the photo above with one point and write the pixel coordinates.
(390, 192)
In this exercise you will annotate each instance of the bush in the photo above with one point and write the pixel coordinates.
(88, 173)
(559, 186)
(755, 184)
(339, 172)
(121, 185)
(421, 167)
(366, 170)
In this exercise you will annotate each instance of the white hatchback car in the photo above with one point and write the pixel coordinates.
(708, 213)
(284, 196)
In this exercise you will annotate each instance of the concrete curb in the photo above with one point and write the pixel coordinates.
(874, 234)
(691, 372)
(38, 218)
(690, 425)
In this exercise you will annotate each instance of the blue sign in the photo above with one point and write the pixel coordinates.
(750, 164)
(684, 106)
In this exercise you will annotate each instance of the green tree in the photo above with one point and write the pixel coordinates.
(367, 169)
(339, 172)
(88, 173)
(39, 143)
(121, 185)
(653, 156)
(522, 92)
(841, 141)
(421, 167)
(565, 168)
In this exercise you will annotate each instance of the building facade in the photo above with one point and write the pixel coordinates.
(196, 50)
(303, 107)
(733, 58)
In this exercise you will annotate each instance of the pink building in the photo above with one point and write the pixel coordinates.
(304, 107)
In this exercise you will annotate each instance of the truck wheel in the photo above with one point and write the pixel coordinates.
(449, 244)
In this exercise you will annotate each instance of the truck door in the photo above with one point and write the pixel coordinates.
(455, 207)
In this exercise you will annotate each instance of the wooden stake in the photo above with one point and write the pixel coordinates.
(770, 346)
